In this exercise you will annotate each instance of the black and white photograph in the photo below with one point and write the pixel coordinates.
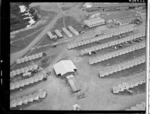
(78, 56)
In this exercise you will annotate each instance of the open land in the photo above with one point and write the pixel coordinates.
(98, 91)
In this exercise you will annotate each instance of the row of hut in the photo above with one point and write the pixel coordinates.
(122, 30)
(23, 70)
(58, 33)
(24, 100)
(28, 81)
(122, 66)
(116, 53)
(112, 43)
(129, 84)
(29, 58)
(138, 107)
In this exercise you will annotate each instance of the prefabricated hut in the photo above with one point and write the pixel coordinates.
(64, 68)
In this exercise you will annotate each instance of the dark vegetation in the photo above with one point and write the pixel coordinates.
(16, 17)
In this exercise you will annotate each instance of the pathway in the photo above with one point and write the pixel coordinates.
(19, 54)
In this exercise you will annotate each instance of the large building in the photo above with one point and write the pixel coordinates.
(124, 21)
(64, 68)
(94, 22)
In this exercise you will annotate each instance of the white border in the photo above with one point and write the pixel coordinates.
(147, 58)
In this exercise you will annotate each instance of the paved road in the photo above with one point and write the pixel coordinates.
(19, 54)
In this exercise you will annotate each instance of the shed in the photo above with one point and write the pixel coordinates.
(73, 83)
(64, 68)
(94, 22)
(87, 5)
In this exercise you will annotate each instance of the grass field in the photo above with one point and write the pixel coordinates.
(69, 21)
(20, 43)
(26, 33)
(40, 50)
(43, 14)
(45, 40)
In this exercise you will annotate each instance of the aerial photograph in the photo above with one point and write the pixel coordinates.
(77, 56)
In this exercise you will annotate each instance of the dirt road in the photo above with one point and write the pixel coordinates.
(19, 54)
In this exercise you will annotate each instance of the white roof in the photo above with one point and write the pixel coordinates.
(58, 33)
(49, 33)
(93, 21)
(87, 5)
(26, 58)
(63, 67)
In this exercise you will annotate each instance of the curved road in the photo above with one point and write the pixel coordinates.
(19, 54)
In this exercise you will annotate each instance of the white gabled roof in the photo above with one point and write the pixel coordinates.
(64, 66)
(87, 5)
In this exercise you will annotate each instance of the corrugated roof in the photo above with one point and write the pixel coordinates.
(64, 66)
(125, 20)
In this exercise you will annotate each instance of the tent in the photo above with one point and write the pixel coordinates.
(22, 60)
(35, 67)
(29, 58)
(18, 71)
(36, 96)
(18, 61)
(21, 83)
(26, 69)
(36, 79)
(24, 100)
(42, 94)
(44, 76)
(32, 57)
(30, 98)
(41, 77)
(25, 58)
(19, 101)
(13, 104)
(17, 85)
(26, 82)
(21, 70)
(30, 67)
(36, 56)
(40, 54)
(31, 80)
(12, 87)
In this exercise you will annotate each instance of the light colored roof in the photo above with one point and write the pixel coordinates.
(67, 32)
(73, 30)
(49, 33)
(125, 19)
(87, 5)
(64, 66)
(115, 5)
(93, 21)
(58, 33)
